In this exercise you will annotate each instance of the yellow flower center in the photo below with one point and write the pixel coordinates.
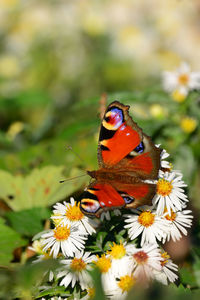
(178, 96)
(183, 79)
(103, 263)
(77, 264)
(141, 257)
(126, 283)
(165, 256)
(117, 251)
(172, 217)
(188, 125)
(164, 187)
(146, 218)
(73, 213)
(62, 233)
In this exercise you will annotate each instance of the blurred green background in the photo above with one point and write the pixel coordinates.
(57, 57)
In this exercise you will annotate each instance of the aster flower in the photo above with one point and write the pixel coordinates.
(76, 270)
(66, 238)
(70, 214)
(181, 81)
(168, 271)
(178, 222)
(104, 264)
(120, 260)
(144, 261)
(148, 224)
(118, 288)
(170, 193)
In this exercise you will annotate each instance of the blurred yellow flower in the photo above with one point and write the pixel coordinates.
(9, 66)
(157, 111)
(14, 129)
(178, 96)
(8, 3)
(188, 124)
(94, 24)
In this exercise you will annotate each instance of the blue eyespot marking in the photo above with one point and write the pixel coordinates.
(139, 148)
(128, 199)
(115, 118)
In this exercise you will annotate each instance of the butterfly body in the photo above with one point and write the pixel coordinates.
(129, 163)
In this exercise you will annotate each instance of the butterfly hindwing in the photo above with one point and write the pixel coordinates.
(136, 194)
(123, 145)
(100, 196)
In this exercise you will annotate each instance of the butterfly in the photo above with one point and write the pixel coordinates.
(129, 163)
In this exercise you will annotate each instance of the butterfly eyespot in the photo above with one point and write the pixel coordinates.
(113, 118)
(139, 148)
(128, 199)
(89, 206)
(107, 119)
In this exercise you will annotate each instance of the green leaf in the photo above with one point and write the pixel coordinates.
(28, 222)
(52, 291)
(197, 271)
(41, 188)
(187, 276)
(99, 293)
(9, 240)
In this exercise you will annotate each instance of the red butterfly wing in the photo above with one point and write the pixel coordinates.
(98, 196)
(123, 145)
(136, 194)
(101, 196)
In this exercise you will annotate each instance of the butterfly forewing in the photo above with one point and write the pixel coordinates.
(123, 145)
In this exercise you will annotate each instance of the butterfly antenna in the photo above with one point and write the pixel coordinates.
(68, 179)
(70, 148)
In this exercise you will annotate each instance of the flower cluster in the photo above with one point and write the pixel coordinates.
(137, 259)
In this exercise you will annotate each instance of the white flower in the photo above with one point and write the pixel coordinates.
(182, 80)
(168, 271)
(68, 239)
(170, 194)
(70, 214)
(164, 163)
(147, 223)
(144, 261)
(120, 260)
(118, 288)
(178, 222)
(76, 270)
(104, 264)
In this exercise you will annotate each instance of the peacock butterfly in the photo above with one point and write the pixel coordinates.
(129, 163)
